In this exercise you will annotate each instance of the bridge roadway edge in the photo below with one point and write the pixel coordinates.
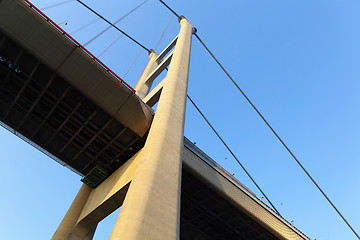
(64, 56)
(111, 193)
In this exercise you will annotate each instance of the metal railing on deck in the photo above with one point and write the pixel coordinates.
(78, 44)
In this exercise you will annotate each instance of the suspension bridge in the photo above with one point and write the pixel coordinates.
(60, 98)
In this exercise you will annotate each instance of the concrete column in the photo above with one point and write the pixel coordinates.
(151, 209)
(90, 234)
(71, 217)
(142, 88)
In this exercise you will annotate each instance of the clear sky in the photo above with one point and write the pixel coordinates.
(297, 60)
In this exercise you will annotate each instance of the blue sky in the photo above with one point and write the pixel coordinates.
(297, 60)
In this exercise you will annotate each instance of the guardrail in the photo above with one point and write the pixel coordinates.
(78, 44)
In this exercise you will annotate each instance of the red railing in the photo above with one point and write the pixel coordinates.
(79, 45)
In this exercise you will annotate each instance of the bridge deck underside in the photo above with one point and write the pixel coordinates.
(40, 105)
(205, 215)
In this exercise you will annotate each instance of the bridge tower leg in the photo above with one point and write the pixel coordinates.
(142, 87)
(151, 209)
(69, 221)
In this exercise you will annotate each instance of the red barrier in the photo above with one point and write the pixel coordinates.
(78, 44)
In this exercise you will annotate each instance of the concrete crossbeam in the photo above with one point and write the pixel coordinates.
(159, 69)
(153, 97)
(106, 198)
(167, 49)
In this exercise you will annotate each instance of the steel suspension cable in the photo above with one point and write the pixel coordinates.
(169, 8)
(107, 21)
(270, 127)
(162, 35)
(277, 136)
(132, 64)
(86, 25)
(116, 22)
(111, 44)
(232, 153)
(55, 5)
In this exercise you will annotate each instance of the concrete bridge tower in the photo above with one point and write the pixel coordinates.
(148, 186)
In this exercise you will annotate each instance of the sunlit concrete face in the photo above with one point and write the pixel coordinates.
(214, 205)
(151, 208)
(142, 87)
